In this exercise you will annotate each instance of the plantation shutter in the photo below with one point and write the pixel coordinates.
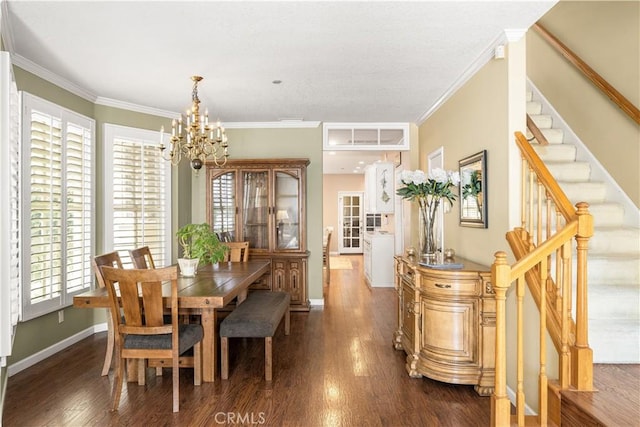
(58, 225)
(139, 192)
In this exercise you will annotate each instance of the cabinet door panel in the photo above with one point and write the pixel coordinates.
(448, 331)
(295, 273)
(287, 199)
(222, 204)
(408, 317)
(279, 275)
(255, 208)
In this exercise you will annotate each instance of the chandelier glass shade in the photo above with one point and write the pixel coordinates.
(194, 137)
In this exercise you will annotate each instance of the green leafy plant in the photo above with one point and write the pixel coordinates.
(199, 241)
(474, 186)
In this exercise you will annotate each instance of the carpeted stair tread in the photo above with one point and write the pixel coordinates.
(590, 192)
(534, 107)
(615, 341)
(570, 171)
(624, 297)
(543, 121)
(556, 152)
(615, 240)
(606, 214)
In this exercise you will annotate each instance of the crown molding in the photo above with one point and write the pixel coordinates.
(272, 125)
(5, 28)
(108, 102)
(53, 78)
(508, 35)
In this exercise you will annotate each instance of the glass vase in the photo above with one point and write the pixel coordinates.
(428, 232)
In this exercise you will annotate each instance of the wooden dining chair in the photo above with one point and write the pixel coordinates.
(111, 259)
(141, 333)
(238, 251)
(141, 258)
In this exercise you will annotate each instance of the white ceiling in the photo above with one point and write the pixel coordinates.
(338, 61)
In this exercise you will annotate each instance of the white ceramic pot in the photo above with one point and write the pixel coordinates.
(188, 266)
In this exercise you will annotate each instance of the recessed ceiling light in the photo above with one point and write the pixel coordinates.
(361, 162)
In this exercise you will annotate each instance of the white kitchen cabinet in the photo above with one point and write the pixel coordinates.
(378, 259)
(379, 188)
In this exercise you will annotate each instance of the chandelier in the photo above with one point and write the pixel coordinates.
(198, 140)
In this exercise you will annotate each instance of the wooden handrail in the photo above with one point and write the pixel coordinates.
(562, 202)
(623, 103)
(535, 131)
(544, 264)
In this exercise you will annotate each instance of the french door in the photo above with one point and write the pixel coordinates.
(350, 222)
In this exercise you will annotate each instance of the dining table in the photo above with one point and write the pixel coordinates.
(213, 287)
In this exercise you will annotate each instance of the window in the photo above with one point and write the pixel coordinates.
(10, 215)
(57, 216)
(137, 193)
(223, 203)
(365, 136)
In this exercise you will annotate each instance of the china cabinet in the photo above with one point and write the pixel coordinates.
(262, 201)
(446, 322)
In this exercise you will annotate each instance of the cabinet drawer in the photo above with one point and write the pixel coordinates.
(449, 287)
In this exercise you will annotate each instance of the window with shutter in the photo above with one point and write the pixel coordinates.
(137, 194)
(57, 226)
(9, 192)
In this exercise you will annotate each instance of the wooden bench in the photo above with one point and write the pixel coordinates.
(258, 316)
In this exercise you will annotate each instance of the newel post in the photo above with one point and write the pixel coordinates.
(500, 404)
(581, 354)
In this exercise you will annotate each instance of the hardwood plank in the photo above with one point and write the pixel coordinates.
(616, 402)
(337, 367)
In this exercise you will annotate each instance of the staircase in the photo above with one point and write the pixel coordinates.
(614, 250)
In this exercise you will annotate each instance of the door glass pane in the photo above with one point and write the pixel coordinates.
(351, 222)
(287, 215)
(255, 216)
(223, 205)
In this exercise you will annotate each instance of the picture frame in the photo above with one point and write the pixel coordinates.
(473, 190)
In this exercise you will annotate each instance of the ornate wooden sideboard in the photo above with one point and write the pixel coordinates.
(446, 322)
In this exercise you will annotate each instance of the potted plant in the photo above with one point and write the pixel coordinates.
(199, 245)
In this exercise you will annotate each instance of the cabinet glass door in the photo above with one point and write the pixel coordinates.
(287, 198)
(223, 206)
(255, 205)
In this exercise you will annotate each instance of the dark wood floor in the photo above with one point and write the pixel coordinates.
(337, 368)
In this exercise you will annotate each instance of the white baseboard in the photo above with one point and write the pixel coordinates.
(28, 362)
(318, 302)
(512, 397)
